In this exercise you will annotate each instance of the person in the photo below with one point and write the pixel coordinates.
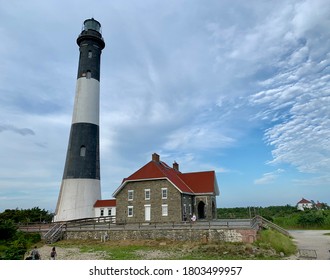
(35, 254)
(53, 254)
(193, 218)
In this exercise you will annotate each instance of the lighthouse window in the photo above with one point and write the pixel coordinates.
(89, 54)
(82, 151)
(88, 74)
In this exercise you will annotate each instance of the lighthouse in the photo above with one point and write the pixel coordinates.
(81, 186)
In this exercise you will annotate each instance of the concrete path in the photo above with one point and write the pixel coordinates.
(313, 240)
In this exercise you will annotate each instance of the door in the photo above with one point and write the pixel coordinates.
(147, 212)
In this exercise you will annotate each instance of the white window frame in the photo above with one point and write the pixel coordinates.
(164, 210)
(164, 189)
(109, 211)
(130, 208)
(102, 212)
(130, 195)
(145, 194)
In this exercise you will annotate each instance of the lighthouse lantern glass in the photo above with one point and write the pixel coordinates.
(92, 24)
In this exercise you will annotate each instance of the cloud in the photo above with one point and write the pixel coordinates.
(296, 100)
(21, 131)
(268, 178)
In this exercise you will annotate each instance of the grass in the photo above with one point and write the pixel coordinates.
(268, 247)
(277, 241)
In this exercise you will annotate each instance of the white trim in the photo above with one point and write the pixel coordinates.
(145, 191)
(128, 195)
(164, 213)
(128, 208)
(163, 189)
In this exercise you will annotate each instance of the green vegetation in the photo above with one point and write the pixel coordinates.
(15, 243)
(22, 216)
(287, 216)
(171, 250)
(270, 239)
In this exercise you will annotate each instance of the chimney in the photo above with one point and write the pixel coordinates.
(155, 157)
(175, 166)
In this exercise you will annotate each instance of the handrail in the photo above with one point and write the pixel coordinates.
(262, 221)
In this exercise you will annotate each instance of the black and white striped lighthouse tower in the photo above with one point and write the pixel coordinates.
(81, 186)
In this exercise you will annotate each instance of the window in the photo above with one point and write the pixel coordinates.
(130, 211)
(147, 194)
(102, 212)
(164, 210)
(164, 193)
(90, 54)
(109, 212)
(88, 74)
(130, 195)
(82, 151)
(190, 209)
(184, 209)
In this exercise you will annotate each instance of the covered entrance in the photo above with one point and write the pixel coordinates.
(201, 210)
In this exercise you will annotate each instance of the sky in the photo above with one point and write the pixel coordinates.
(238, 87)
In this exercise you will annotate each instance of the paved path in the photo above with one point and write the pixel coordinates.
(313, 240)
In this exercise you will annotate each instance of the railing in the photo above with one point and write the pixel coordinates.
(200, 224)
(259, 221)
(54, 234)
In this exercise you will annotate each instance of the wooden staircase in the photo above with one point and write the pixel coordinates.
(54, 234)
(261, 222)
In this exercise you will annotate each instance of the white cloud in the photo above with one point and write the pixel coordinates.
(268, 178)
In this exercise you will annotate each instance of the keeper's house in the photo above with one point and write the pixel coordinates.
(160, 193)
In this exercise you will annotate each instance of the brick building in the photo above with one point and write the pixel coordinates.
(160, 193)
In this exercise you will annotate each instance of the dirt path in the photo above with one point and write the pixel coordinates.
(69, 254)
(313, 240)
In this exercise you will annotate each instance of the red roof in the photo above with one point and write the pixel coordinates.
(105, 203)
(194, 183)
(304, 201)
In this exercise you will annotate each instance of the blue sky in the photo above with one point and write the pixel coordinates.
(239, 87)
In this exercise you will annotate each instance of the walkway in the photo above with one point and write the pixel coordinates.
(313, 240)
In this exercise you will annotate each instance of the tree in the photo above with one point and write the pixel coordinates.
(7, 229)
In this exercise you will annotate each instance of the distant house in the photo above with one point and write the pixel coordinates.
(103, 208)
(159, 193)
(304, 204)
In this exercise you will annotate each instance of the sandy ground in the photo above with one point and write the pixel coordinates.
(69, 254)
(305, 239)
(313, 240)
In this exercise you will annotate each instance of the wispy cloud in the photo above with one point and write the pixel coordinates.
(12, 128)
(268, 178)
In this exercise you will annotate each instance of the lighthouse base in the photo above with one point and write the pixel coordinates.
(77, 198)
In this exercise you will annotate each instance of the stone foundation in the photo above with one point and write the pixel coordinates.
(203, 235)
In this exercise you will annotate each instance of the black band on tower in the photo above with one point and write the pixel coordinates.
(83, 160)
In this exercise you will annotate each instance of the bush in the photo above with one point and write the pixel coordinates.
(311, 219)
(7, 229)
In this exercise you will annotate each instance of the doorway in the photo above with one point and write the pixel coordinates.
(147, 213)
(201, 210)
